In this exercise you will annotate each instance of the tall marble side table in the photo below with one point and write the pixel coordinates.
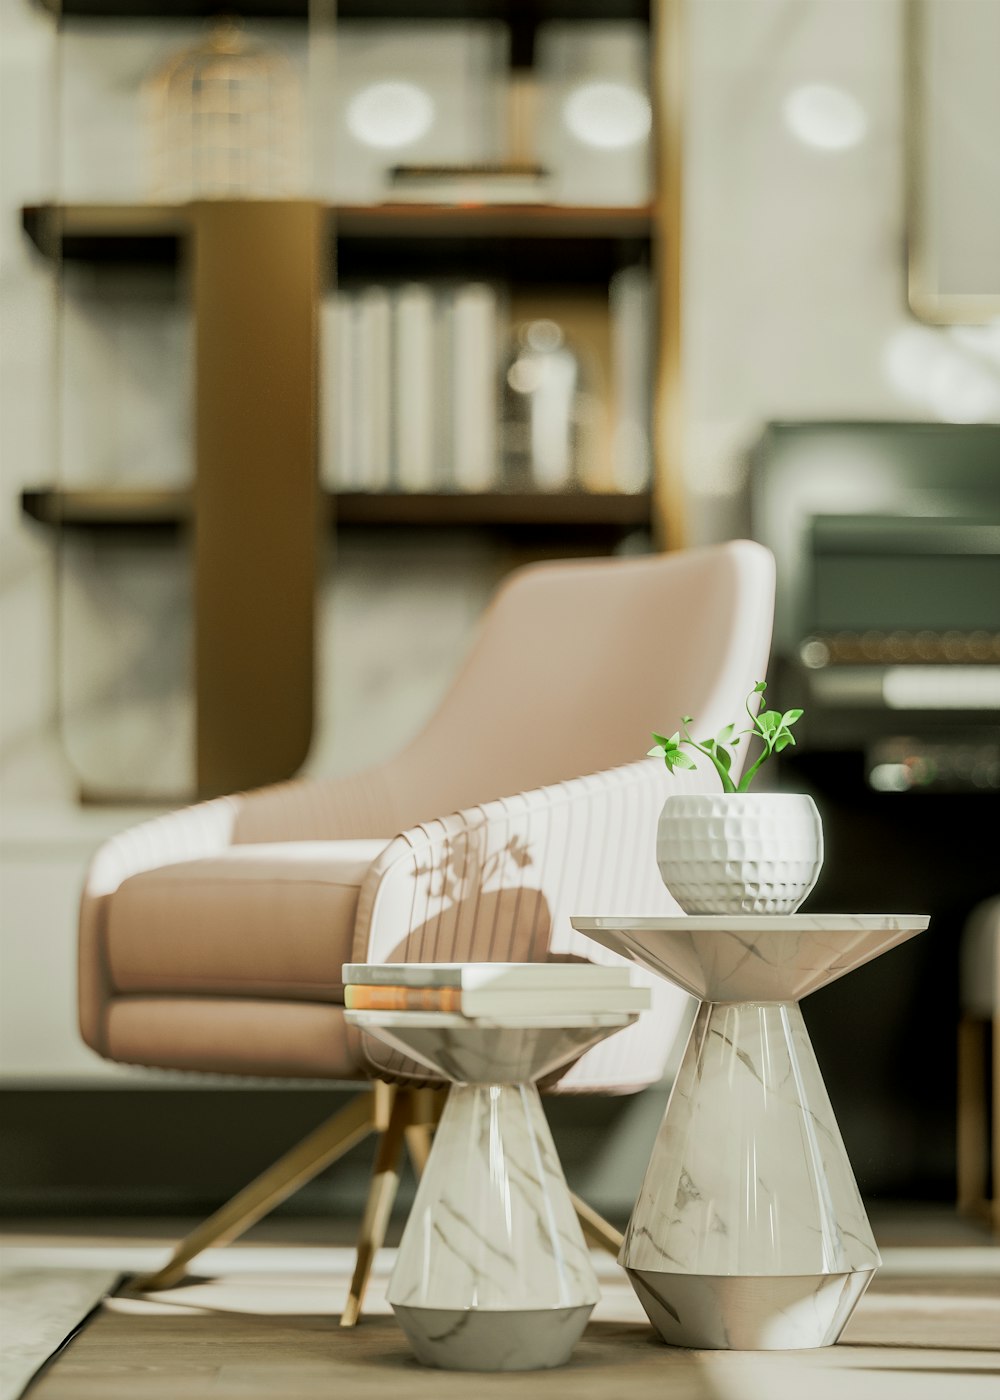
(749, 1231)
(493, 1273)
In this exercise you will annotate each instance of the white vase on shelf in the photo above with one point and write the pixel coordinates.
(739, 853)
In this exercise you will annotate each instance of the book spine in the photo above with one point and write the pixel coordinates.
(474, 376)
(371, 998)
(413, 387)
(443, 332)
(340, 446)
(373, 392)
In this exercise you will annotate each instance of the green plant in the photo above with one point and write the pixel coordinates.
(770, 727)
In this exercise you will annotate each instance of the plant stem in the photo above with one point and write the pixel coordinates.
(727, 783)
(748, 776)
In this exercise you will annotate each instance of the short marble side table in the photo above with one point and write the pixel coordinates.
(493, 1273)
(749, 1231)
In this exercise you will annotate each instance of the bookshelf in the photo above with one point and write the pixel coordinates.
(589, 517)
(231, 252)
(533, 243)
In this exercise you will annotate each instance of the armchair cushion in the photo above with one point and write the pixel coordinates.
(251, 921)
(234, 1035)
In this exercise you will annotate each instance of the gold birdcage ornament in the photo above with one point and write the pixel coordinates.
(225, 121)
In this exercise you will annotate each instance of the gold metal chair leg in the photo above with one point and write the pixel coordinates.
(418, 1147)
(378, 1207)
(428, 1105)
(595, 1228)
(306, 1160)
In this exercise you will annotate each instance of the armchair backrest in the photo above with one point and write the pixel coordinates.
(574, 665)
(577, 662)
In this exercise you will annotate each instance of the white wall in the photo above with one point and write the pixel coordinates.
(795, 288)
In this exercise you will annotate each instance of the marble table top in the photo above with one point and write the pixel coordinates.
(757, 923)
(451, 1020)
(492, 1049)
(751, 957)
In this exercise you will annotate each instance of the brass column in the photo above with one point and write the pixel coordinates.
(256, 281)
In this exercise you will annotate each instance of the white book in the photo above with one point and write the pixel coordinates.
(496, 975)
(373, 393)
(444, 392)
(413, 387)
(474, 386)
(632, 357)
(338, 416)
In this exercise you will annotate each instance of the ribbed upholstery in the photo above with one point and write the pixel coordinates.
(500, 882)
(574, 666)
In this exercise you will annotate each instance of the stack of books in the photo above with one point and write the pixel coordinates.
(418, 391)
(412, 388)
(492, 989)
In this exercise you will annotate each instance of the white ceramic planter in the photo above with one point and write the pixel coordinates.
(739, 853)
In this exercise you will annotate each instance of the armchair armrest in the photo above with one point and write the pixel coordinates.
(500, 882)
(202, 830)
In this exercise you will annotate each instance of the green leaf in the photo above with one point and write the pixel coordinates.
(759, 688)
(679, 760)
(783, 740)
(687, 719)
(657, 751)
(725, 735)
(768, 721)
(790, 716)
(725, 758)
(661, 740)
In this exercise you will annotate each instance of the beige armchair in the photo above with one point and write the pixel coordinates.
(213, 939)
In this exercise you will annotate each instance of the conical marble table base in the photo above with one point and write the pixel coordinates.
(749, 1231)
(493, 1273)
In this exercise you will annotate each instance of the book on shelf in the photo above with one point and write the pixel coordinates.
(373, 399)
(502, 976)
(338, 419)
(512, 183)
(474, 354)
(493, 1001)
(414, 389)
(423, 392)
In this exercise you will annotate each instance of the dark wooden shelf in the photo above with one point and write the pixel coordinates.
(393, 11)
(578, 513)
(518, 243)
(502, 510)
(107, 507)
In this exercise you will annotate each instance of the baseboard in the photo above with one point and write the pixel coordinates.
(183, 1151)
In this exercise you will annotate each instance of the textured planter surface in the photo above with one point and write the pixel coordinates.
(739, 853)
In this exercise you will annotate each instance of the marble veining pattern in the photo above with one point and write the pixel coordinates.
(749, 1231)
(491, 1050)
(753, 957)
(749, 1174)
(493, 1273)
(498, 1227)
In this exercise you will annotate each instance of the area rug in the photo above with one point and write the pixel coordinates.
(41, 1309)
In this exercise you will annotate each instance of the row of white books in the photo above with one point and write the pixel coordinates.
(417, 394)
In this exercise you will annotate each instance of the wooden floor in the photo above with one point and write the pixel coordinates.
(928, 1329)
